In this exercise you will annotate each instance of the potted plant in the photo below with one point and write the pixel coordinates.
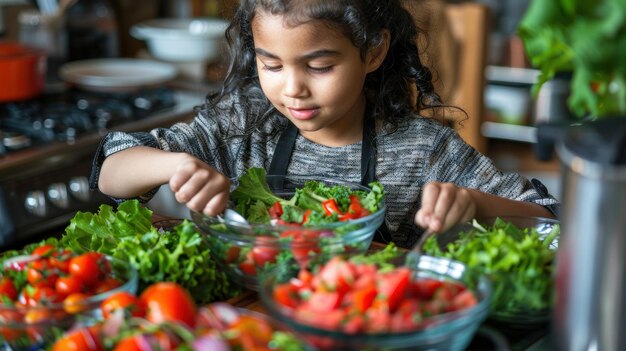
(586, 38)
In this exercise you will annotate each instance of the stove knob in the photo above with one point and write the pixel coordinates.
(79, 188)
(57, 193)
(35, 203)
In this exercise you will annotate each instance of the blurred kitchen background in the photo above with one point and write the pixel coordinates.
(75, 30)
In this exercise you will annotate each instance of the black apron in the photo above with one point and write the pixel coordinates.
(284, 149)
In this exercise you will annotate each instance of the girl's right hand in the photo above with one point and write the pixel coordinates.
(200, 187)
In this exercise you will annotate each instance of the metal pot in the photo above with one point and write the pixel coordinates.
(22, 71)
(590, 311)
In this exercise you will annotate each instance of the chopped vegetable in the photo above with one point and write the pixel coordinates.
(518, 260)
(180, 255)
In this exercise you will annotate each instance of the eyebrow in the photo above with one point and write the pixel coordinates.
(307, 56)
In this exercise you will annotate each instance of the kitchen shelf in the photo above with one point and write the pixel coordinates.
(507, 131)
(511, 75)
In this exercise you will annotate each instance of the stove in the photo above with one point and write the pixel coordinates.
(47, 145)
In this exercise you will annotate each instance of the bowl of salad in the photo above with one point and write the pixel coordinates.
(517, 254)
(290, 217)
(51, 289)
(370, 302)
(164, 317)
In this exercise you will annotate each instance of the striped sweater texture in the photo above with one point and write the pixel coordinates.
(419, 151)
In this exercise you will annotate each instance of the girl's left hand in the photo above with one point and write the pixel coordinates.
(443, 206)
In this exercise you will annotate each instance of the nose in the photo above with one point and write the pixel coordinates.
(295, 84)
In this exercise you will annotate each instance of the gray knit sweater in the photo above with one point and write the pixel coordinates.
(419, 151)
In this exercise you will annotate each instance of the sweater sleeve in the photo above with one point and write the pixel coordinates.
(455, 161)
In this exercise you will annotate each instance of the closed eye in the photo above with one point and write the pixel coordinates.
(272, 68)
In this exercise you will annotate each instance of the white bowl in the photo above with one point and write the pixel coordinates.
(183, 39)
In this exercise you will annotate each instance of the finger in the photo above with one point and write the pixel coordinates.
(183, 174)
(429, 198)
(217, 204)
(445, 202)
(217, 185)
(459, 209)
(194, 185)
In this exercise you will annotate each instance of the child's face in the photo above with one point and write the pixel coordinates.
(314, 76)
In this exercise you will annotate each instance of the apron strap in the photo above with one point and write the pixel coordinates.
(287, 141)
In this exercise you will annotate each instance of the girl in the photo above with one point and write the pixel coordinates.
(326, 88)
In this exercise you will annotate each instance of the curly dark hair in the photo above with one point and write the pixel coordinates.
(400, 86)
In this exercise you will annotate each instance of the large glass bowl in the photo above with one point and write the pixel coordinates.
(450, 331)
(244, 250)
(35, 328)
(515, 293)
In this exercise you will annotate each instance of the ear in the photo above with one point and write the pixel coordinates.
(376, 55)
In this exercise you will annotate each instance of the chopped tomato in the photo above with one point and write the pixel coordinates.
(286, 295)
(276, 211)
(393, 286)
(323, 301)
(330, 207)
(264, 250)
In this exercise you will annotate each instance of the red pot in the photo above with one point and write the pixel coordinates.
(22, 71)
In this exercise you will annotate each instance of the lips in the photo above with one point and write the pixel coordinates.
(303, 113)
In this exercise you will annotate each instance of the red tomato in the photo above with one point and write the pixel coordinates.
(41, 272)
(363, 298)
(87, 267)
(247, 266)
(264, 250)
(43, 250)
(107, 284)
(336, 275)
(286, 295)
(45, 295)
(167, 301)
(252, 332)
(83, 339)
(303, 244)
(330, 207)
(276, 211)
(7, 289)
(129, 343)
(465, 299)
(75, 303)
(61, 260)
(394, 285)
(323, 301)
(68, 285)
(131, 304)
(424, 288)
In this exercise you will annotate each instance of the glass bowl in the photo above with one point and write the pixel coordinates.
(24, 327)
(521, 298)
(451, 330)
(244, 250)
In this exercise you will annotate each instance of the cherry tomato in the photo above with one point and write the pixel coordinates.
(7, 289)
(131, 304)
(82, 339)
(40, 272)
(75, 303)
(87, 267)
(107, 284)
(45, 295)
(43, 250)
(68, 285)
(167, 301)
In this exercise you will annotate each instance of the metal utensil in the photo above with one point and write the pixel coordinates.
(234, 216)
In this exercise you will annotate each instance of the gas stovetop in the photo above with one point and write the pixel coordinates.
(47, 146)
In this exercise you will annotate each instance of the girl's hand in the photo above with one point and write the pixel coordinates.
(443, 206)
(199, 186)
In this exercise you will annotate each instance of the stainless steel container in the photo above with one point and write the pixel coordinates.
(590, 311)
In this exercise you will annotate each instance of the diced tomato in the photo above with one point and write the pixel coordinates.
(303, 244)
(323, 301)
(276, 211)
(337, 275)
(354, 324)
(286, 295)
(424, 288)
(330, 207)
(264, 250)
(356, 208)
(331, 320)
(247, 266)
(305, 216)
(305, 276)
(465, 299)
(394, 285)
(363, 298)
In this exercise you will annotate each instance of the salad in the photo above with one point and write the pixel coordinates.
(305, 219)
(165, 317)
(519, 261)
